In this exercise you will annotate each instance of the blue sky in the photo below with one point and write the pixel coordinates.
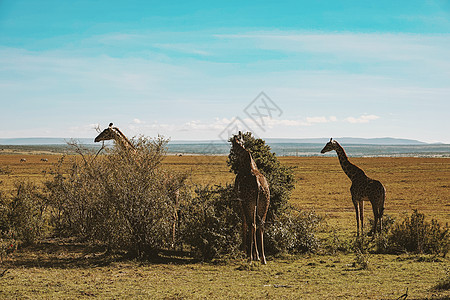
(188, 69)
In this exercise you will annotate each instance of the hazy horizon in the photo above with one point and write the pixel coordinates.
(351, 140)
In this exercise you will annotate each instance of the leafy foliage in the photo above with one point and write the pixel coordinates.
(280, 178)
(212, 219)
(293, 232)
(211, 222)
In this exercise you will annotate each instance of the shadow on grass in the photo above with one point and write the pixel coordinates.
(66, 254)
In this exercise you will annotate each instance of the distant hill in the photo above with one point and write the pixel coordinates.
(350, 140)
(342, 140)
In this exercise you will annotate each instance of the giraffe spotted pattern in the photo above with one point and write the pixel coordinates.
(363, 188)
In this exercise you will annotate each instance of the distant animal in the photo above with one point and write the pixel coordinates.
(44, 159)
(23, 160)
(363, 188)
(252, 189)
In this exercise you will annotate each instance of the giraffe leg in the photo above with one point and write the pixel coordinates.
(355, 203)
(254, 237)
(252, 250)
(376, 217)
(245, 230)
(174, 229)
(361, 215)
(261, 244)
(250, 243)
(380, 219)
(381, 208)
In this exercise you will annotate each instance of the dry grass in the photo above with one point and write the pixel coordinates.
(55, 269)
(411, 183)
(71, 272)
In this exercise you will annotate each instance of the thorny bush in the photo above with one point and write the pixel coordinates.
(23, 217)
(125, 199)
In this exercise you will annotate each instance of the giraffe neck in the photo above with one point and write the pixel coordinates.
(352, 171)
(253, 166)
(123, 140)
(247, 164)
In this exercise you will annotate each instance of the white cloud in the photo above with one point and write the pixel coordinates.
(312, 120)
(399, 46)
(362, 119)
(285, 122)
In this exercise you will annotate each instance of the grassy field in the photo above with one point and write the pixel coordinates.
(61, 269)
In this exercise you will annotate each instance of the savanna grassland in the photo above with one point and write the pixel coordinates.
(64, 269)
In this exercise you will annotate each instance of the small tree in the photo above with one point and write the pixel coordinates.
(280, 178)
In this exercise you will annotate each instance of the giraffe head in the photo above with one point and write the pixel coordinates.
(238, 142)
(243, 154)
(107, 134)
(329, 146)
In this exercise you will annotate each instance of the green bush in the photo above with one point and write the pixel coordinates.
(286, 230)
(293, 232)
(124, 200)
(416, 235)
(280, 178)
(381, 241)
(210, 223)
(212, 220)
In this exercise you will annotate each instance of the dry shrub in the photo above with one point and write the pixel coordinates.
(22, 216)
(416, 235)
(124, 200)
(443, 284)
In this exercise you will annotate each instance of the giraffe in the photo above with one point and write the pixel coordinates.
(362, 189)
(252, 190)
(113, 133)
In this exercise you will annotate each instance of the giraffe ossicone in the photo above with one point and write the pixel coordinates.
(114, 133)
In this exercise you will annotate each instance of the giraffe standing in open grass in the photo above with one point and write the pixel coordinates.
(363, 188)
